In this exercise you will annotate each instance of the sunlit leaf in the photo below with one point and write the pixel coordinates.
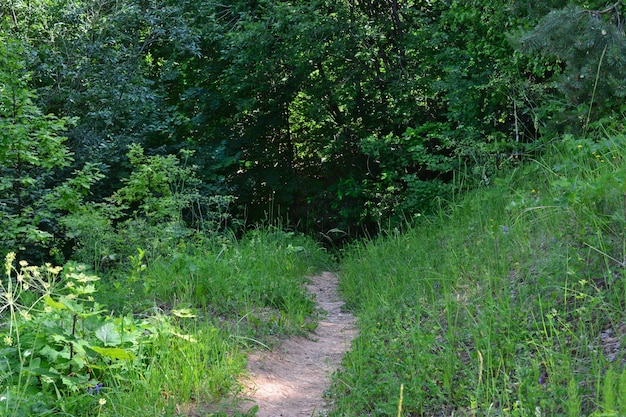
(114, 353)
(186, 337)
(52, 303)
(108, 335)
(183, 313)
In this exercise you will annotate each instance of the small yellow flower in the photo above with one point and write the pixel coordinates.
(8, 262)
(102, 401)
(8, 340)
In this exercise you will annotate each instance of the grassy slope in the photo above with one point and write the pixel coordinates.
(509, 303)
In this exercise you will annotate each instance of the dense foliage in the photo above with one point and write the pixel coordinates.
(335, 114)
(147, 139)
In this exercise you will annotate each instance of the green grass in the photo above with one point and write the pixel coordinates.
(174, 333)
(255, 283)
(248, 293)
(509, 303)
(183, 377)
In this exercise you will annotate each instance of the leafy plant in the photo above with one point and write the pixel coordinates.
(61, 351)
(158, 205)
(31, 152)
(409, 171)
(36, 191)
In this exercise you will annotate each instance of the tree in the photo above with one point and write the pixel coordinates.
(32, 154)
(298, 104)
(92, 61)
(591, 47)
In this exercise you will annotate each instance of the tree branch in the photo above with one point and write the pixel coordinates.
(610, 8)
(614, 8)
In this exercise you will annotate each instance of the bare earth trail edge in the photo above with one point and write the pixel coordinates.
(290, 380)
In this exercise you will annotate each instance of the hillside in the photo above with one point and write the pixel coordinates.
(510, 302)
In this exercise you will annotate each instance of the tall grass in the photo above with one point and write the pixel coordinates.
(247, 293)
(257, 282)
(510, 302)
(173, 339)
(195, 375)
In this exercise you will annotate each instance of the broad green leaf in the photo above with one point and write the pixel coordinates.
(109, 335)
(183, 313)
(186, 337)
(75, 382)
(52, 303)
(114, 353)
(83, 278)
(50, 353)
(35, 363)
(85, 289)
(71, 305)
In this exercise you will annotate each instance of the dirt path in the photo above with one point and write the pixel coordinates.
(290, 380)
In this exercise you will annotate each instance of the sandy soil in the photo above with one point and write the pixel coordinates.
(291, 379)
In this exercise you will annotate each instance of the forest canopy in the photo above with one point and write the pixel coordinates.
(336, 115)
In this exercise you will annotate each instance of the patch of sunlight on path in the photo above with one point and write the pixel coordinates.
(290, 380)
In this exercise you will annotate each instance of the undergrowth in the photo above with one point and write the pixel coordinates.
(508, 303)
(163, 337)
(253, 285)
(158, 317)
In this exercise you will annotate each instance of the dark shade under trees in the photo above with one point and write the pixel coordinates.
(334, 115)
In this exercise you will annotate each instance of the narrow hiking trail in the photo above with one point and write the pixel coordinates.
(290, 380)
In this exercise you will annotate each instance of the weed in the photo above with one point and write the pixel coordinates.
(61, 352)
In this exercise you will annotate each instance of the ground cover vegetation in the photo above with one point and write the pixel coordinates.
(158, 157)
(509, 302)
(165, 339)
